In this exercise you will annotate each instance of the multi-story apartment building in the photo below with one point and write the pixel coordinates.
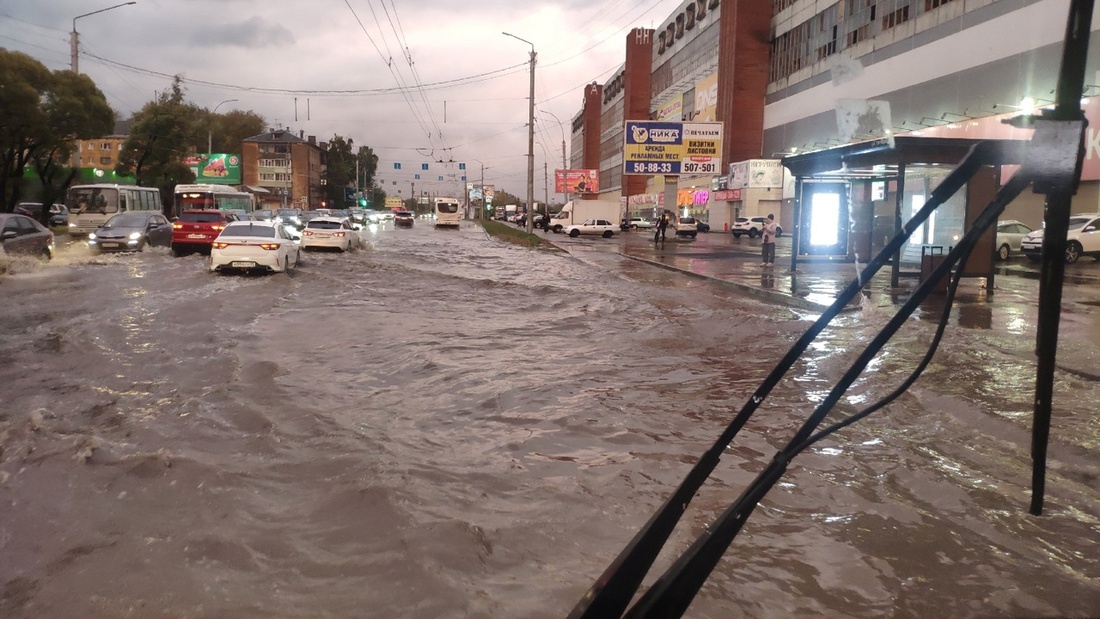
(793, 77)
(98, 157)
(291, 168)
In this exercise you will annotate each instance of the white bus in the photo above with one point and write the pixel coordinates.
(447, 212)
(90, 206)
(213, 197)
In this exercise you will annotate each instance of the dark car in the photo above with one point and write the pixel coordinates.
(702, 226)
(59, 213)
(196, 229)
(403, 218)
(131, 232)
(20, 234)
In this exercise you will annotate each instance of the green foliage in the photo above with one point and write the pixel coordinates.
(162, 132)
(515, 236)
(41, 114)
(503, 198)
(340, 170)
(228, 130)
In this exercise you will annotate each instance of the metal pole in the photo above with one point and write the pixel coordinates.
(531, 146)
(481, 209)
(210, 132)
(74, 38)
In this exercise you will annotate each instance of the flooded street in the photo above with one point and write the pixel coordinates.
(443, 425)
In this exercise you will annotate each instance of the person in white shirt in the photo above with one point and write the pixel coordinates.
(768, 245)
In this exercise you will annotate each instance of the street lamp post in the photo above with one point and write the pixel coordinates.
(210, 132)
(74, 37)
(530, 138)
(564, 166)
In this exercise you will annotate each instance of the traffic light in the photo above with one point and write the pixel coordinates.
(362, 201)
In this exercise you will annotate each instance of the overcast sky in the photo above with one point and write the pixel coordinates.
(342, 67)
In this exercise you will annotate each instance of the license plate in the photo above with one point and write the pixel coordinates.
(196, 236)
(109, 245)
(242, 264)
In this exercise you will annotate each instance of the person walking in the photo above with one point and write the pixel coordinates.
(662, 224)
(768, 242)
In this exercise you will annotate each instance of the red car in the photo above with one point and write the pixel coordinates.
(195, 230)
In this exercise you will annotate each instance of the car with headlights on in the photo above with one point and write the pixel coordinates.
(1082, 239)
(131, 231)
(20, 234)
(600, 227)
(329, 233)
(254, 246)
(403, 218)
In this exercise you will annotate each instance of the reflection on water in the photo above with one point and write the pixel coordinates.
(442, 425)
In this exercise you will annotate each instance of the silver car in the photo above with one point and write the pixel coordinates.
(131, 232)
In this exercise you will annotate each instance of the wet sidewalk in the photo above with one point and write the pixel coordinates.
(815, 285)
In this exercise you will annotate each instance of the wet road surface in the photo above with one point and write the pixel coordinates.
(442, 425)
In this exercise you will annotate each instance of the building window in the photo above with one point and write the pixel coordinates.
(104, 161)
(933, 4)
(896, 18)
(105, 146)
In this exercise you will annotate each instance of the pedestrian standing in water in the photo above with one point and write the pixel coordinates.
(662, 224)
(768, 244)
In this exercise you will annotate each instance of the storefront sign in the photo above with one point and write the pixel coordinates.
(756, 173)
(727, 195)
(671, 148)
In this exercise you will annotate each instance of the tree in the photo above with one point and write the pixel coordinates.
(230, 129)
(368, 166)
(41, 115)
(164, 132)
(339, 170)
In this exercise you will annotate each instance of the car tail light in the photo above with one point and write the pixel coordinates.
(338, 234)
(177, 226)
(218, 228)
(308, 232)
(270, 246)
(220, 245)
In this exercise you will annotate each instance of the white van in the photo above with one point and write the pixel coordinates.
(448, 212)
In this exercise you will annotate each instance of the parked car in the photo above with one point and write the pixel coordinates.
(1082, 239)
(751, 226)
(254, 246)
(131, 232)
(639, 222)
(403, 218)
(602, 227)
(686, 226)
(196, 229)
(59, 213)
(329, 232)
(20, 234)
(1009, 235)
(702, 226)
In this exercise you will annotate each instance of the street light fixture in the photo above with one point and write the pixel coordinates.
(74, 38)
(530, 139)
(210, 132)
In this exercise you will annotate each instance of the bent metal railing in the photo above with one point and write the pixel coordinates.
(1052, 166)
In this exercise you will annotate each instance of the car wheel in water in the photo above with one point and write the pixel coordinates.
(1003, 252)
(778, 231)
(1073, 252)
(752, 233)
(608, 234)
(574, 233)
(736, 235)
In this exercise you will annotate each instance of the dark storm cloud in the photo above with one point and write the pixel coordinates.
(253, 33)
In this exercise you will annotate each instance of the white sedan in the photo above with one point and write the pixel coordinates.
(330, 232)
(254, 246)
(602, 227)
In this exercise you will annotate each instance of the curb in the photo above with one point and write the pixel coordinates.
(766, 295)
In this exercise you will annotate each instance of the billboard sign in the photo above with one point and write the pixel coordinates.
(576, 181)
(215, 168)
(671, 148)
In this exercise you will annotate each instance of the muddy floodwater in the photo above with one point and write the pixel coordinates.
(443, 425)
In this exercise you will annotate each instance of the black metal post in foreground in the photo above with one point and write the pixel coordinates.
(1059, 187)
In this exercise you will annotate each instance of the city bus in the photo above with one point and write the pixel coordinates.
(90, 206)
(447, 212)
(213, 197)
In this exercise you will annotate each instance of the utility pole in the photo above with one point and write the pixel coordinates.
(481, 209)
(546, 187)
(531, 147)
